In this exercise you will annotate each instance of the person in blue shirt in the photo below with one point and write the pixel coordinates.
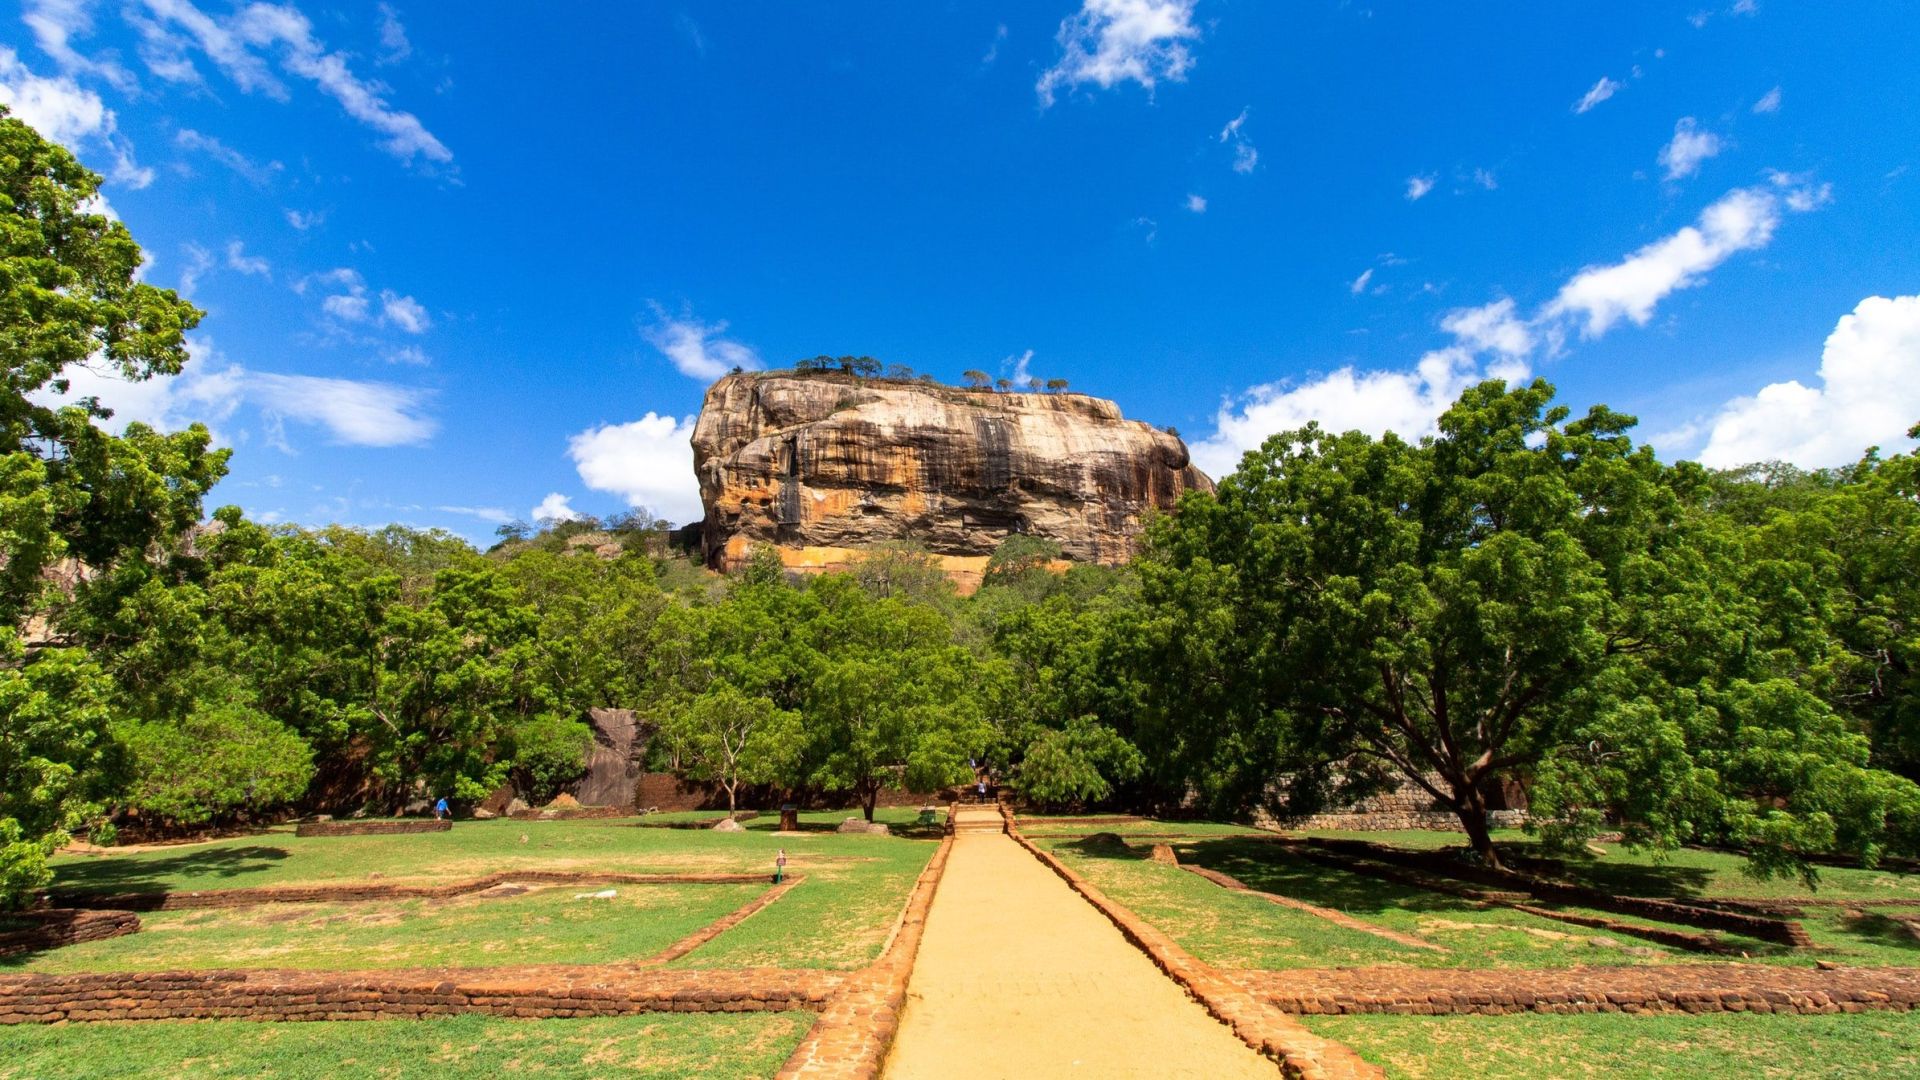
(440, 809)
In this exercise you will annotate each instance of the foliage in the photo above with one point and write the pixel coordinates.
(548, 752)
(1077, 763)
(259, 764)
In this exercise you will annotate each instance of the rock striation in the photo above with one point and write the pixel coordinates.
(821, 465)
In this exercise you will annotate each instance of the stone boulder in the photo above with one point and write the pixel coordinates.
(517, 805)
(727, 824)
(862, 825)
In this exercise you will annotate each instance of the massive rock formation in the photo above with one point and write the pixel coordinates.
(821, 465)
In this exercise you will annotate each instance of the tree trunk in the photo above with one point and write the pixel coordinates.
(871, 796)
(730, 800)
(1471, 807)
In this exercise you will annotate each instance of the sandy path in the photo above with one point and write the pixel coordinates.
(1019, 977)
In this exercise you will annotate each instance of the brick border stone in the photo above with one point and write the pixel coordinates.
(370, 828)
(1300, 1053)
(1644, 989)
(528, 992)
(57, 927)
(856, 1029)
(723, 924)
(376, 890)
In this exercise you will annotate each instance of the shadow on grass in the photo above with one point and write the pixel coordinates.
(1880, 930)
(150, 875)
(1103, 846)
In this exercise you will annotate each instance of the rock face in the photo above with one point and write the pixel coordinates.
(619, 743)
(821, 465)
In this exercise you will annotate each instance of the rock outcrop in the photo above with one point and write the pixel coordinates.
(821, 465)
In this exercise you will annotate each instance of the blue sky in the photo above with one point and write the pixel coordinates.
(459, 263)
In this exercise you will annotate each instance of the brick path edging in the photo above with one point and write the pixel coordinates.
(528, 992)
(856, 1029)
(370, 828)
(723, 924)
(1645, 989)
(379, 890)
(57, 927)
(1301, 1054)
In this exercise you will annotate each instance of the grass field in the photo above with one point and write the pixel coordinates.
(544, 926)
(1608, 1045)
(718, 1046)
(838, 918)
(1234, 930)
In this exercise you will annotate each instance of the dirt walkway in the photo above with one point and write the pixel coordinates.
(1019, 977)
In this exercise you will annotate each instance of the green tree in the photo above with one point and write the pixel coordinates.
(977, 380)
(1054, 386)
(547, 752)
(893, 701)
(1077, 763)
(731, 738)
(69, 490)
(222, 759)
(904, 569)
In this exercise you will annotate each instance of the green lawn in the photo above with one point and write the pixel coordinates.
(1233, 930)
(1687, 872)
(544, 926)
(714, 1046)
(839, 918)
(1727, 1046)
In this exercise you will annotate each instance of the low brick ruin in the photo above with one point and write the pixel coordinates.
(52, 928)
(370, 828)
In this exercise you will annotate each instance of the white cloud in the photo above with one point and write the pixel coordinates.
(1490, 328)
(1600, 296)
(1360, 283)
(305, 219)
(1418, 186)
(1344, 400)
(230, 43)
(1769, 102)
(356, 413)
(648, 462)
(404, 312)
(696, 348)
(259, 175)
(55, 23)
(993, 49)
(493, 515)
(347, 307)
(67, 113)
(1114, 41)
(1690, 146)
(1495, 340)
(199, 261)
(1245, 157)
(1486, 179)
(252, 265)
(211, 390)
(1600, 92)
(554, 508)
(1868, 395)
(1018, 369)
(1197, 203)
(411, 355)
(394, 46)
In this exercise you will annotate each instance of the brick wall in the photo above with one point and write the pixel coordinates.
(370, 828)
(53, 928)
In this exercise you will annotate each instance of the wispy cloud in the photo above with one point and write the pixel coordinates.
(67, 113)
(1245, 157)
(697, 349)
(55, 25)
(1600, 92)
(1197, 203)
(1109, 42)
(281, 30)
(1418, 187)
(255, 173)
(1691, 144)
(1769, 102)
(252, 265)
(1360, 283)
(394, 46)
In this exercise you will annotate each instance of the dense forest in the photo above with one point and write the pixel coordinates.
(1682, 655)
